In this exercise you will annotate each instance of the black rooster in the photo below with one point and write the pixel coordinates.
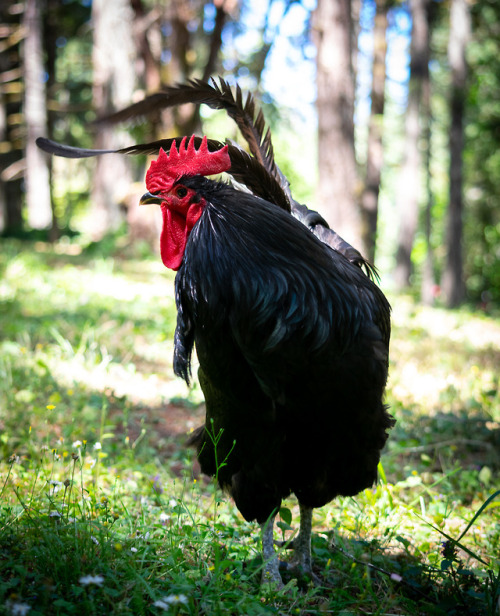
(291, 335)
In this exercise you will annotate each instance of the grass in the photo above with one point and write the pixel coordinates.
(102, 509)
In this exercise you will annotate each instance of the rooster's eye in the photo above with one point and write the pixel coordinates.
(181, 191)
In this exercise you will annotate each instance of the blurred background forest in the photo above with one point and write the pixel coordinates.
(385, 117)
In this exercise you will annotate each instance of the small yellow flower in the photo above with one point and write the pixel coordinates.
(118, 547)
(50, 407)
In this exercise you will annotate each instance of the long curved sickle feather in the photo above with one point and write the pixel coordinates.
(68, 151)
(259, 172)
(244, 168)
(249, 119)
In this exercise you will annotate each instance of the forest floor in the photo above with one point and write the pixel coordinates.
(103, 509)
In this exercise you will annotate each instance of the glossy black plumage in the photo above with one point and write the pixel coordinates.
(292, 341)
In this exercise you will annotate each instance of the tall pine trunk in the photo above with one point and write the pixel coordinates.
(375, 153)
(453, 281)
(114, 81)
(338, 189)
(409, 188)
(428, 286)
(37, 177)
(11, 133)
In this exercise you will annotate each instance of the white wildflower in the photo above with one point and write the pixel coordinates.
(55, 486)
(96, 541)
(87, 580)
(134, 550)
(97, 446)
(17, 609)
(77, 444)
(166, 602)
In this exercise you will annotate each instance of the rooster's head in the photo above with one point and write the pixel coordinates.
(181, 206)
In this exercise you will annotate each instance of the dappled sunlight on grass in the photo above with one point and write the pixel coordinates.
(92, 426)
(444, 359)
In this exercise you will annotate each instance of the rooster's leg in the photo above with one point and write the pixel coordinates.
(302, 542)
(270, 573)
(301, 564)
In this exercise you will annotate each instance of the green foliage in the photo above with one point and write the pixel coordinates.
(482, 155)
(101, 511)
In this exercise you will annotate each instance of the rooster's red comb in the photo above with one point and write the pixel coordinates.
(164, 171)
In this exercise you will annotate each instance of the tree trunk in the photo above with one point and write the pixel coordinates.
(408, 194)
(453, 281)
(114, 81)
(37, 178)
(375, 153)
(338, 180)
(428, 286)
(11, 142)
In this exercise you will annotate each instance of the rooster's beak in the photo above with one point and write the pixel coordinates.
(149, 198)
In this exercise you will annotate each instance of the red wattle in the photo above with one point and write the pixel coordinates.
(175, 233)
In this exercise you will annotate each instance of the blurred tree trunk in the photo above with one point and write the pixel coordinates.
(338, 179)
(181, 14)
(375, 153)
(409, 189)
(427, 292)
(114, 81)
(428, 286)
(148, 66)
(38, 199)
(11, 143)
(171, 54)
(453, 281)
